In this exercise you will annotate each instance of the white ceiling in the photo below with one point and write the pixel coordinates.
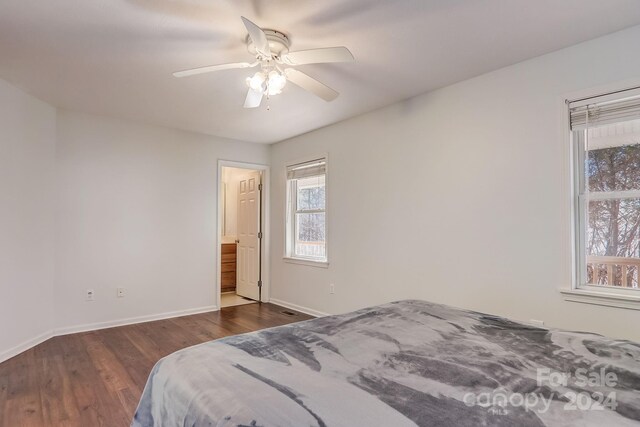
(115, 57)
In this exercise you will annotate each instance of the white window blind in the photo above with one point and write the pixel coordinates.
(605, 111)
(307, 169)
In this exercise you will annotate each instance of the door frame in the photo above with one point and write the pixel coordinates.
(264, 243)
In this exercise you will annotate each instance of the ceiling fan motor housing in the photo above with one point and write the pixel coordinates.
(278, 42)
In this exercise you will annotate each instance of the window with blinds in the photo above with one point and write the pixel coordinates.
(605, 134)
(306, 211)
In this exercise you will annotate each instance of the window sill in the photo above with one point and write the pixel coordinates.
(604, 297)
(308, 262)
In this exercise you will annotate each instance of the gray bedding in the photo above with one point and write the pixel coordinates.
(400, 364)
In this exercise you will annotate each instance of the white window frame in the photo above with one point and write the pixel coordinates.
(290, 211)
(581, 291)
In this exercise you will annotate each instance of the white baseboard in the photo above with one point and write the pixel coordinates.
(132, 320)
(8, 354)
(305, 310)
(100, 325)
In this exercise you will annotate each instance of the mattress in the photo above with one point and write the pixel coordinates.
(404, 363)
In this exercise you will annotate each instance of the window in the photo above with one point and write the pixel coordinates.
(306, 211)
(605, 133)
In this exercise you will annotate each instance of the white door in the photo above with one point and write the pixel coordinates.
(248, 257)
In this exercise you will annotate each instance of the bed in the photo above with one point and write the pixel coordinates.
(404, 363)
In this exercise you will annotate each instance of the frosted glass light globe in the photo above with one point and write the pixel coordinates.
(276, 82)
(257, 81)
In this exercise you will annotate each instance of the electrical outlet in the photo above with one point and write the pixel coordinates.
(332, 288)
(90, 295)
(121, 292)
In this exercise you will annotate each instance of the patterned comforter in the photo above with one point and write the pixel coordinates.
(405, 363)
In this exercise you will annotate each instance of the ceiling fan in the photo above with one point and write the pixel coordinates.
(271, 49)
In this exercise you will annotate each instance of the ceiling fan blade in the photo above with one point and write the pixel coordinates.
(318, 56)
(258, 37)
(212, 68)
(253, 99)
(312, 85)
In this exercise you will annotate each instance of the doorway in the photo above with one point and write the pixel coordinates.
(241, 236)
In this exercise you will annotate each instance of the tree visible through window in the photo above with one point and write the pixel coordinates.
(613, 223)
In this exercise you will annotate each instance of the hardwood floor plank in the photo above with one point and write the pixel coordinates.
(24, 402)
(111, 370)
(56, 397)
(135, 362)
(203, 329)
(96, 378)
(95, 405)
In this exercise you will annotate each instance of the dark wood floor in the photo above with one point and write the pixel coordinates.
(96, 378)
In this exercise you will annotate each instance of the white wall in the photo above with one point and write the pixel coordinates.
(457, 196)
(27, 153)
(136, 209)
